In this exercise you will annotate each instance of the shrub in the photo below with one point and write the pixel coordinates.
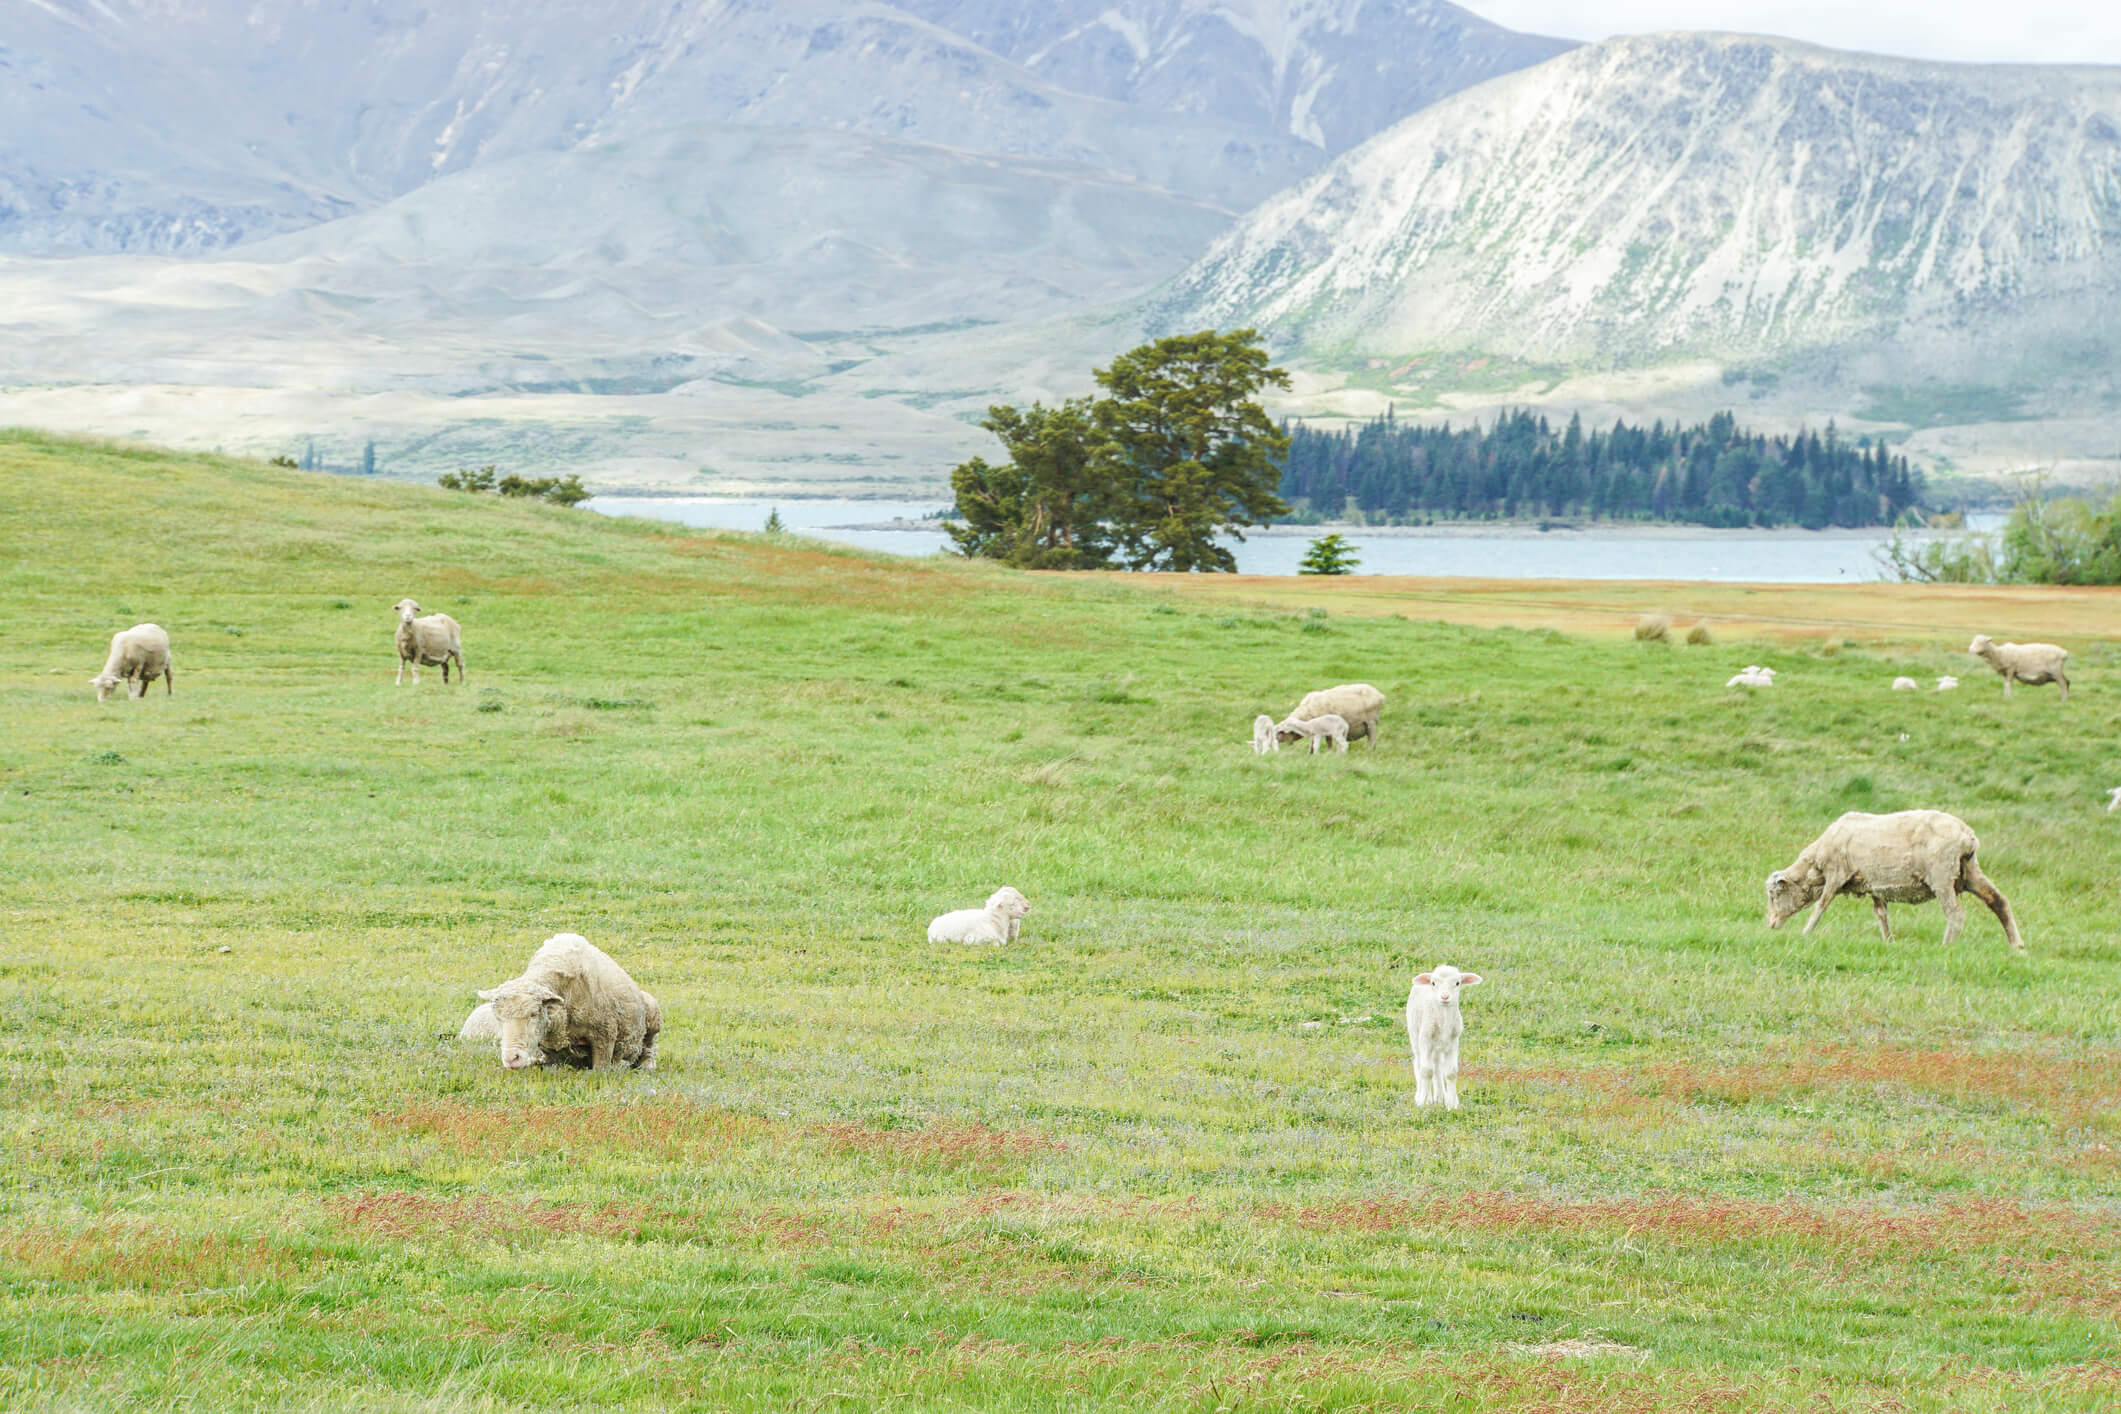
(1653, 628)
(1699, 634)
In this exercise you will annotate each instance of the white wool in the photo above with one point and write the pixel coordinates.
(1434, 1026)
(1906, 685)
(1317, 730)
(1908, 857)
(1358, 704)
(1264, 739)
(431, 641)
(999, 922)
(2029, 663)
(138, 656)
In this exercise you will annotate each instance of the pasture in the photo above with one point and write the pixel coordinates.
(1162, 1153)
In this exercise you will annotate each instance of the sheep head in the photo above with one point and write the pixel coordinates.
(1008, 903)
(1789, 894)
(406, 610)
(104, 684)
(533, 1019)
(1981, 645)
(1446, 982)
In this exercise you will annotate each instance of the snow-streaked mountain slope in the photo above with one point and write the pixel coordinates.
(1720, 195)
(1330, 72)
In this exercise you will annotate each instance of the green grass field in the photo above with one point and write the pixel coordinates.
(1162, 1154)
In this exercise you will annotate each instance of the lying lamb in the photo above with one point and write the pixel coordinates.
(1910, 857)
(1434, 1024)
(2029, 663)
(1753, 676)
(1947, 683)
(481, 1025)
(138, 656)
(572, 1006)
(1263, 738)
(1358, 704)
(1906, 685)
(998, 922)
(427, 642)
(1317, 730)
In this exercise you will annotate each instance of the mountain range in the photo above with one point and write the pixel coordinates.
(757, 245)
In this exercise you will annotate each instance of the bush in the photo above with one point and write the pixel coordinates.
(558, 490)
(1699, 634)
(1653, 628)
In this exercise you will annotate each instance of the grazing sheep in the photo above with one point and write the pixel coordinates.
(573, 1006)
(138, 656)
(1357, 703)
(1434, 1024)
(2029, 663)
(1264, 739)
(998, 922)
(1906, 685)
(1318, 730)
(427, 642)
(1753, 676)
(1947, 683)
(1910, 857)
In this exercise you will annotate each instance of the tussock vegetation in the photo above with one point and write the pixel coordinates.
(1162, 1153)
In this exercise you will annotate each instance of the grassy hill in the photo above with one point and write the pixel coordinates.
(1162, 1153)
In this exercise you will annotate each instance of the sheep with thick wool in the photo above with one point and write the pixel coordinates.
(138, 656)
(1909, 857)
(1435, 1022)
(1358, 704)
(998, 922)
(572, 1006)
(1316, 730)
(2029, 663)
(427, 642)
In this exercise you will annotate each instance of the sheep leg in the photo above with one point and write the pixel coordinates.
(460, 668)
(169, 682)
(1826, 896)
(445, 667)
(1954, 912)
(1423, 1085)
(401, 672)
(2008, 678)
(1447, 1077)
(600, 1051)
(2063, 683)
(1977, 882)
(1885, 924)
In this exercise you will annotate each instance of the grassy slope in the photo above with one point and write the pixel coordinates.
(1111, 1166)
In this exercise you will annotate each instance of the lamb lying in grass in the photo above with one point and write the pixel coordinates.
(1753, 676)
(1264, 739)
(1947, 683)
(572, 1006)
(1316, 730)
(1906, 685)
(2029, 663)
(1909, 857)
(1434, 1024)
(998, 922)
(138, 656)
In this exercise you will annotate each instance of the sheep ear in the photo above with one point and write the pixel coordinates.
(1776, 878)
(1469, 979)
(1425, 980)
(488, 994)
(552, 1004)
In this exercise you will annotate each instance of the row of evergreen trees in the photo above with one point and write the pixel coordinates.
(1713, 473)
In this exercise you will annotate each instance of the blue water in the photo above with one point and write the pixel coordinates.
(1778, 557)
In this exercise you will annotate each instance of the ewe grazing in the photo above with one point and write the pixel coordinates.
(1753, 676)
(1911, 857)
(427, 642)
(1317, 730)
(1433, 1028)
(138, 656)
(1264, 739)
(998, 922)
(572, 1006)
(1357, 703)
(2029, 663)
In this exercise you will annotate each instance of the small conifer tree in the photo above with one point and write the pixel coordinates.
(773, 522)
(1329, 554)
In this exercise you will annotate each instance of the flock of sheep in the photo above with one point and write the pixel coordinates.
(575, 1006)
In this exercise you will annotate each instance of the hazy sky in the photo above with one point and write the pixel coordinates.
(1991, 31)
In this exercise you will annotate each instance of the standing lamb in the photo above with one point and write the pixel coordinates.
(1910, 857)
(138, 656)
(2029, 663)
(998, 922)
(427, 642)
(1434, 1024)
(1264, 739)
(1357, 703)
(573, 1006)
(1317, 730)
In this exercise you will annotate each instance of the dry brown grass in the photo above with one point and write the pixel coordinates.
(407, 1216)
(137, 1256)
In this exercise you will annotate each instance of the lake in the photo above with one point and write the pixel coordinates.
(1513, 551)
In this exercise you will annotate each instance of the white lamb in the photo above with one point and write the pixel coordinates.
(2113, 800)
(2029, 663)
(427, 642)
(138, 656)
(998, 922)
(1906, 685)
(1753, 676)
(1434, 1024)
(1317, 730)
(1947, 683)
(1264, 739)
